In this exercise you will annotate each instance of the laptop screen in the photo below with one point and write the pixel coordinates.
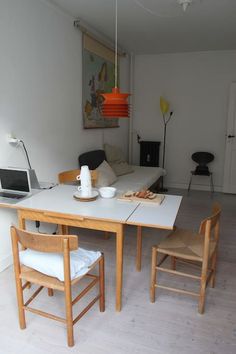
(15, 180)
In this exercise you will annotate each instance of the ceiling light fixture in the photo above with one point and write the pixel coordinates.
(184, 3)
(115, 104)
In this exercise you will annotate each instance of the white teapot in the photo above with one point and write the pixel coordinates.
(85, 181)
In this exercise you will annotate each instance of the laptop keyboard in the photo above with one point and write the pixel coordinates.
(11, 195)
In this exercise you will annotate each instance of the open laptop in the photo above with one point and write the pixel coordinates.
(14, 183)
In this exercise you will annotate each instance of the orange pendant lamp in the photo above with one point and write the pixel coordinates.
(115, 103)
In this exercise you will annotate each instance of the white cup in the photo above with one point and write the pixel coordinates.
(85, 191)
(85, 175)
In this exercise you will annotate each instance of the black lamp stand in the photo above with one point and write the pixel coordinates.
(165, 121)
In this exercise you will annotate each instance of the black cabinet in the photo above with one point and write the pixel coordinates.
(149, 153)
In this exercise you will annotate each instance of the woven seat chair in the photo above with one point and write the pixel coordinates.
(189, 247)
(62, 244)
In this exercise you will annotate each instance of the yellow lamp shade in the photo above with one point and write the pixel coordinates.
(164, 105)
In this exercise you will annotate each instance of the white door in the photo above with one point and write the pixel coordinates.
(229, 185)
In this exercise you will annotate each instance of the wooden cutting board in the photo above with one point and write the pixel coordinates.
(157, 200)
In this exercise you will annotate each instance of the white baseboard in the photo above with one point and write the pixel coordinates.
(5, 262)
(198, 187)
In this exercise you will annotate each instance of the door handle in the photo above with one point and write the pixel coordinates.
(231, 136)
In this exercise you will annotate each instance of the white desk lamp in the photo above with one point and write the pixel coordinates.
(19, 142)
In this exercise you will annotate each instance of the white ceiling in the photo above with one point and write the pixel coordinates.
(160, 26)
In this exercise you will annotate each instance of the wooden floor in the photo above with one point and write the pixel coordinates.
(171, 325)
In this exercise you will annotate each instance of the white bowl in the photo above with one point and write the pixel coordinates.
(107, 192)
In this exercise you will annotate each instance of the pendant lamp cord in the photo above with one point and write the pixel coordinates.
(116, 48)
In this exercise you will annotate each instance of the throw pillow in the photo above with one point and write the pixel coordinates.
(106, 175)
(52, 263)
(113, 153)
(117, 161)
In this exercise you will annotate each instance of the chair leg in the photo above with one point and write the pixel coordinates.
(213, 267)
(201, 303)
(101, 285)
(50, 292)
(212, 185)
(190, 182)
(20, 301)
(63, 229)
(173, 263)
(69, 316)
(153, 274)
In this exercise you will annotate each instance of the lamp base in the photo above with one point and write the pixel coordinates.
(162, 190)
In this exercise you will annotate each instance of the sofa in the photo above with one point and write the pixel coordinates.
(141, 177)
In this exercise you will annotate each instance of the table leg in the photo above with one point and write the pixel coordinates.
(119, 266)
(139, 249)
(63, 229)
(21, 221)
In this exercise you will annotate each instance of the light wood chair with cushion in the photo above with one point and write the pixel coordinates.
(189, 247)
(70, 176)
(62, 244)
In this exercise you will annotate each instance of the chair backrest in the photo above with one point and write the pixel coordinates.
(42, 242)
(71, 176)
(210, 226)
(92, 158)
(202, 157)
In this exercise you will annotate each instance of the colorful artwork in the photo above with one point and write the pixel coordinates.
(98, 77)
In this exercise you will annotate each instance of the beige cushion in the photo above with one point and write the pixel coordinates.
(106, 175)
(185, 244)
(113, 154)
(116, 159)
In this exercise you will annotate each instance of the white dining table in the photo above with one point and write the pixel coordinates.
(58, 206)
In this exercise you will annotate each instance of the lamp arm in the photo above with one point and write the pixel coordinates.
(26, 153)
(171, 113)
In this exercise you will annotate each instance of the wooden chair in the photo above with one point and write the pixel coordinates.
(70, 176)
(189, 247)
(59, 244)
(67, 177)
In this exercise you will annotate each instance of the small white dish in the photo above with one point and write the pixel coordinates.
(92, 196)
(107, 192)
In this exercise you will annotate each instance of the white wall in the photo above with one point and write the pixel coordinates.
(41, 92)
(41, 89)
(197, 85)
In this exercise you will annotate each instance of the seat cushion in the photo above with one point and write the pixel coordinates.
(142, 178)
(185, 244)
(52, 263)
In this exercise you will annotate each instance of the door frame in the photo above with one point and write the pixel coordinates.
(228, 143)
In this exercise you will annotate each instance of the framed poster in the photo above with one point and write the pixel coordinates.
(98, 77)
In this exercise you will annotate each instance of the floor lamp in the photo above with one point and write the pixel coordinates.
(166, 116)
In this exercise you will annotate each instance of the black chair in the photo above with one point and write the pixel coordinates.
(202, 159)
